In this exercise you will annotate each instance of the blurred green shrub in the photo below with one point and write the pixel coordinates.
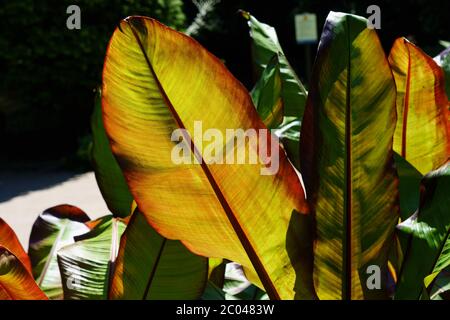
(48, 72)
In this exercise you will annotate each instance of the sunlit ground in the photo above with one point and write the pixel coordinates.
(26, 194)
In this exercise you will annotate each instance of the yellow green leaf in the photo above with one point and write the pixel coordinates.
(347, 160)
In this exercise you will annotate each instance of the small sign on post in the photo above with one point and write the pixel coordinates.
(306, 34)
(306, 28)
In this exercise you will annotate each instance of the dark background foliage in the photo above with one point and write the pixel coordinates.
(48, 73)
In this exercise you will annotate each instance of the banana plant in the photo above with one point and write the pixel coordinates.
(358, 207)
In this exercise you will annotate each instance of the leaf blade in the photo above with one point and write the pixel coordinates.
(422, 134)
(346, 158)
(141, 54)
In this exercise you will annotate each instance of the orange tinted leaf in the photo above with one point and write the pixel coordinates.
(422, 134)
(9, 240)
(16, 282)
(156, 80)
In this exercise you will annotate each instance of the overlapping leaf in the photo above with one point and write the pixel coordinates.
(156, 80)
(269, 100)
(265, 45)
(9, 240)
(16, 282)
(422, 133)
(266, 95)
(235, 286)
(347, 161)
(53, 229)
(428, 252)
(150, 267)
(86, 265)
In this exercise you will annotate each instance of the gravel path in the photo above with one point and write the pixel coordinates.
(23, 195)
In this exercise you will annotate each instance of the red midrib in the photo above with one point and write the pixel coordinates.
(406, 103)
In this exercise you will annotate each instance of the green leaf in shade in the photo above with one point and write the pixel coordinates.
(109, 177)
(428, 252)
(409, 196)
(265, 45)
(86, 265)
(268, 99)
(409, 186)
(53, 229)
(266, 95)
(289, 134)
(216, 271)
(150, 267)
(347, 161)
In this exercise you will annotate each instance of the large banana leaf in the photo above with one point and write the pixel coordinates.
(265, 45)
(9, 240)
(110, 179)
(422, 132)
(16, 282)
(428, 252)
(87, 264)
(53, 229)
(346, 158)
(150, 267)
(156, 80)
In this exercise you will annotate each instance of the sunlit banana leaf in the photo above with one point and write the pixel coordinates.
(422, 132)
(156, 80)
(86, 265)
(53, 229)
(9, 240)
(150, 267)
(265, 45)
(16, 282)
(428, 252)
(159, 258)
(268, 99)
(346, 158)
(109, 177)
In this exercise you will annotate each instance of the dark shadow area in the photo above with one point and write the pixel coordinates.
(14, 183)
(299, 245)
